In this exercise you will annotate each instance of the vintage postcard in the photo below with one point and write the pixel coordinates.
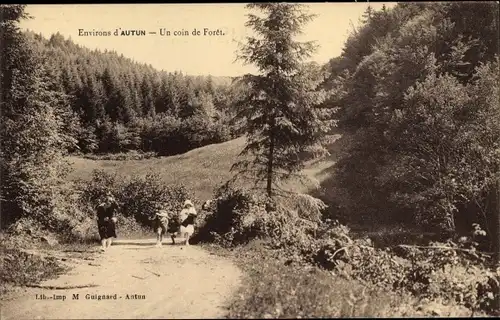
(250, 160)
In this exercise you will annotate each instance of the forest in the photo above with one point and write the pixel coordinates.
(117, 105)
(417, 90)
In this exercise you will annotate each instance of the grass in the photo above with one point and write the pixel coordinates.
(19, 267)
(273, 289)
(201, 170)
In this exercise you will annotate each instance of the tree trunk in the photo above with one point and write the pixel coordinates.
(270, 162)
(496, 232)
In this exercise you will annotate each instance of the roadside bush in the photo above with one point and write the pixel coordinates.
(64, 223)
(92, 190)
(128, 227)
(450, 278)
(443, 271)
(139, 197)
(232, 220)
(21, 268)
(142, 196)
(351, 258)
(449, 272)
(129, 155)
(275, 290)
(239, 216)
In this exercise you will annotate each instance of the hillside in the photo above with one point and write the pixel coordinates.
(111, 103)
(201, 170)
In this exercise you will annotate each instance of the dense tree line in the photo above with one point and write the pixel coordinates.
(121, 105)
(417, 89)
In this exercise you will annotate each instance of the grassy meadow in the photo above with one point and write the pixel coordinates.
(201, 170)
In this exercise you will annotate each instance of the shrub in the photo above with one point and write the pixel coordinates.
(275, 290)
(139, 197)
(100, 183)
(443, 271)
(449, 272)
(122, 156)
(21, 268)
(238, 216)
(142, 197)
(232, 220)
(335, 250)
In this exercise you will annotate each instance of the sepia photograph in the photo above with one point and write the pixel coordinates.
(250, 160)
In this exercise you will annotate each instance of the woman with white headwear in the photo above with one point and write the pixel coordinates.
(187, 215)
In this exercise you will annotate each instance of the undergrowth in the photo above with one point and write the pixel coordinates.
(273, 288)
(452, 277)
(121, 156)
(20, 268)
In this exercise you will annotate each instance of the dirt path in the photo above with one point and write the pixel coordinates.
(147, 282)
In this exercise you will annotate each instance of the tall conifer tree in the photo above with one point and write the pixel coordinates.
(280, 112)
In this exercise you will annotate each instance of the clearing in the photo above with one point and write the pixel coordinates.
(201, 170)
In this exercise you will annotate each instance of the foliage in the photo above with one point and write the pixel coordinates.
(445, 273)
(36, 121)
(238, 216)
(453, 272)
(21, 268)
(280, 110)
(99, 185)
(138, 197)
(142, 197)
(232, 219)
(275, 290)
(417, 91)
(130, 155)
(118, 102)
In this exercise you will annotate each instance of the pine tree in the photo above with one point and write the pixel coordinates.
(187, 98)
(367, 15)
(95, 93)
(106, 87)
(280, 112)
(111, 89)
(147, 95)
(161, 89)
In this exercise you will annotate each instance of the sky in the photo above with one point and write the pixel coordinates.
(192, 54)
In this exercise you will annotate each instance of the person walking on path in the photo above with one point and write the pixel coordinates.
(161, 226)
(187, 216)
(106, 221)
